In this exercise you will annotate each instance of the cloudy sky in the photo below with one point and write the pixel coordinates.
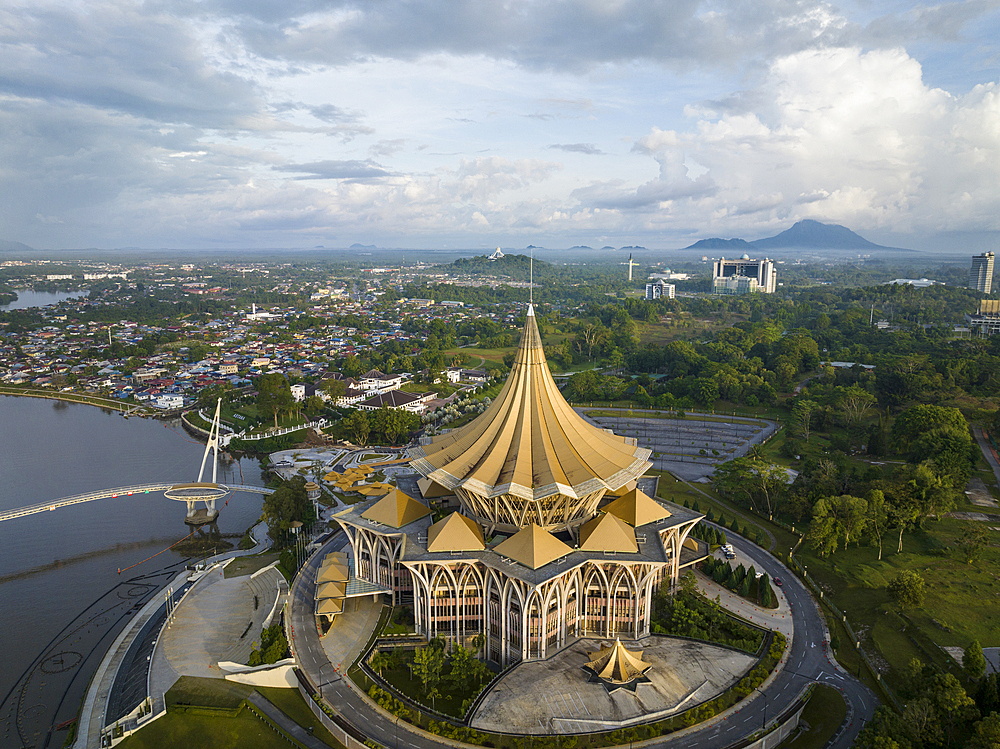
(453, 123)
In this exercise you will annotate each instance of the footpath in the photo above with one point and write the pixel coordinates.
(95, 705)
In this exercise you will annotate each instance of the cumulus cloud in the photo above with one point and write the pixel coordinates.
(350, 169)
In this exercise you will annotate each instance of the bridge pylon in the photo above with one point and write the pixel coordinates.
(203, 491)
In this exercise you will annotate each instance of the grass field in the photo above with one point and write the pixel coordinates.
(960, 603)
(191, 729)
(824, 713)
(248, 565)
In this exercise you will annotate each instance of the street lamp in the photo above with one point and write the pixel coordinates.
(763, 722)
(321, 665)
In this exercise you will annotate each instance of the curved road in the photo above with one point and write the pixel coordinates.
(808, 660)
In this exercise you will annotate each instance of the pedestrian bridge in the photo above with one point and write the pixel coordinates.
(122, 491)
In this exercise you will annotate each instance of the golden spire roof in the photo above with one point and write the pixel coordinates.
(396, 509)
(637, 508)
(530, 443)
(608, 533)
(617, 666)
(532, 547)
(455, 533)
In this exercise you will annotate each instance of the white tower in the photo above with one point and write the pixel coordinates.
(630, 264)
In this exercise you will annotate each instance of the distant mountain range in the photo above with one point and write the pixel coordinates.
(8, 246)
(806, 234)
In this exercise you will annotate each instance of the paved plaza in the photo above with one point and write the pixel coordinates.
(216, 622)
(556, 696)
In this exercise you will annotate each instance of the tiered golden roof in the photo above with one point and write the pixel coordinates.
(530, 448)
(616, 666)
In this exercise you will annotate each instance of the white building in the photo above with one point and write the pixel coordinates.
(298, 393)
(659, 290)
(981, 273)
(169, 400)
(744, 276)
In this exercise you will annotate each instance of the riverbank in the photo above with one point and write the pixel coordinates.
(73, 397)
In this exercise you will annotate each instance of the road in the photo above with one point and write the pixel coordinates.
(988, 453)
(807, 660)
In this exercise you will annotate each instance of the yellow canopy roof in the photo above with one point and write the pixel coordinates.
(431, 489)
(636, 508)
(455, 533)
(618, 665)
(608, 533)
(330, 606)
(331, 590)
(396, 509)
(533, 547)
(530, 442)
(622, 490)
(334, 572)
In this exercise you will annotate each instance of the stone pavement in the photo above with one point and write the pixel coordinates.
(215, 622)
(557, 696)
(779, 619)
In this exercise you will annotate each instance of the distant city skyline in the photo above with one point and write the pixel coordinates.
(420, 124)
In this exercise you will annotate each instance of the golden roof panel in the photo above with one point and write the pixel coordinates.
(637, 508)
(530, 443)
(455, 533)
(608, 533)
(396, 509)
(533, 547)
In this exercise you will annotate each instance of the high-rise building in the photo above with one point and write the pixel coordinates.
(658, 289)
(551, 540)
(981, 273)
(744, 276)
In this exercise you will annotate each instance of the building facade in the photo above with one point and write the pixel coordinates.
(744, 276)
(550, 537)
(981, 273)
(660, 290)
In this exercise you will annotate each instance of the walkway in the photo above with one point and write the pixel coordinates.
(95, 705)
(988, 452)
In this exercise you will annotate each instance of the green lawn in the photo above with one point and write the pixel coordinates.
(206, 732)
(960, 604)
(824, 713)
(248, 565)
(290, 702)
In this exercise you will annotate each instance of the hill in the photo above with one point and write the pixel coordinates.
(7, 245)
(716, 243)
(815, 235)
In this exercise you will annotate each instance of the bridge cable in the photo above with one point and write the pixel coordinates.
(124, 569)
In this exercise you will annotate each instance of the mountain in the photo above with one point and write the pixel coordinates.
(8, 246)
(581, 247)
(357, 246)
(815, 235)
(805, 234)
(715, 243)
(633, 247)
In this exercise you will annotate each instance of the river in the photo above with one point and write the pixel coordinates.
(62, 599)
(27, 298)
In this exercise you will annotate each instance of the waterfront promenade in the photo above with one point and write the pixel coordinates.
(100, 693)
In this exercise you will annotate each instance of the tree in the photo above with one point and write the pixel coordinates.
(760, 484)
(973, 661)
(854, 402)
(987, 735)
(287, 504)
(427, 665)
(802, 416)
(273, 394)
(879, 511)
(357, 424)
(972, 542)
(907, 588)
(333, 388)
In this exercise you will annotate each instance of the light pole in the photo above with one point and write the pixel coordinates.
(763, 722)
(321, 666)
